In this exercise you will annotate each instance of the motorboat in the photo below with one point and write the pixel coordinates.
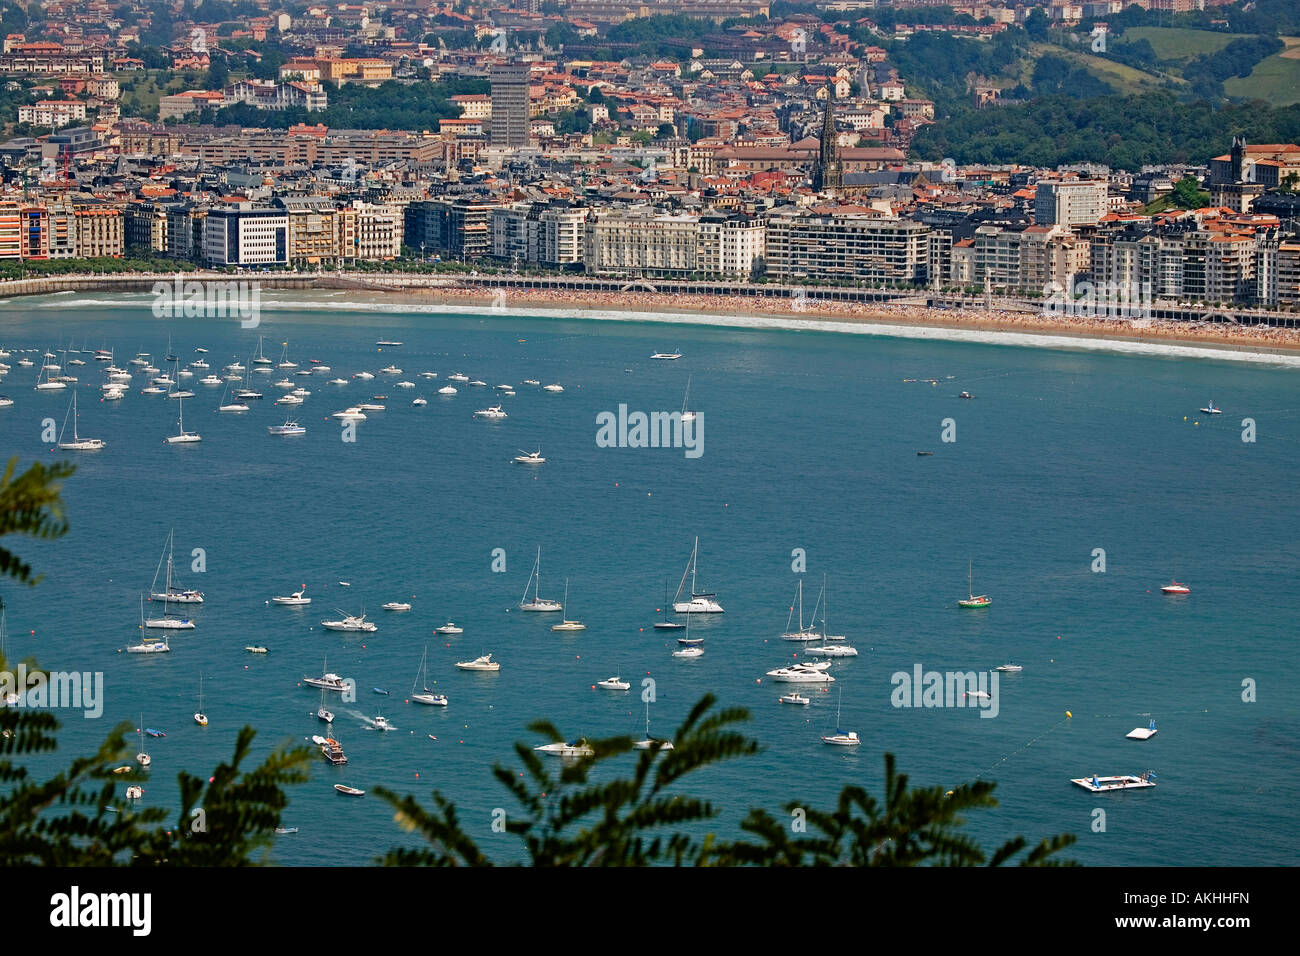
(327, 681)
(353, 414)
(391, 370)
(1174, 587)
(689, 651)
(667, 356)
(494, 413)
(449, 628)
(351, 623)
(801, 674)
(1009, 668)
(405, 385)
(457, 377)
(255, 649)
(614, 683)
(530, 458)
(381, 723)
(419, 402)
(149, 647)
(397, 606)
(289, 399)
(288, 428)
(833, 650)
(477, 383)
(794, 697)
(574, 748)
(484, 663)
(296, 598)
(446, 390)
(388, 343)
(552, 388)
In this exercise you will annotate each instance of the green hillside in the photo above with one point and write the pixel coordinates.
(1275, 79)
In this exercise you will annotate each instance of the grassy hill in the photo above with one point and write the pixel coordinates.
(1275, 79)
(1124, 79)
(1173, 43)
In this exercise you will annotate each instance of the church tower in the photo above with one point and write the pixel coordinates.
(827, 173)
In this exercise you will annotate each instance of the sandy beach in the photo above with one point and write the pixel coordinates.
(1149, 331)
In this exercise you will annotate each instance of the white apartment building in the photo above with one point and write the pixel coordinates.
(1070, 203)
(246, 237)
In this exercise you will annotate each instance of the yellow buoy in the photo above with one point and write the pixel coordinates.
(1068, 714)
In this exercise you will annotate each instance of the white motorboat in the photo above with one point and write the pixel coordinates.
(794, 697)
(494, 413)
(428, 375)
(364, 375)
(834, 650)
(327, 680)
(1173, 587)
(801, 674)
(370, 407)
(351, 623)
(614, 683)
(255, 649)
(288, 428)
(531, 381)
(1120, 782)
(667, 356)
(537, 603)
(381, 722)
(574, 748)
(552, 388)
(352, 414)
(78, 443)
(449, 628)
(338, 381)
(419, 401)
(296, 598)
(397, 606)
(1009, 668)
(391, 370)
(699, 603)
(405, 385)
(457, 377)
(529, 457)
(149, 647)
(484, 663)
(210, 380)
(478, 383)
(446, 390)
(689, 651)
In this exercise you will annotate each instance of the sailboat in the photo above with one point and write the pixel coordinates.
(78, 443)
(146, 646)
(982, 600)
(537, 604)
(422, 681)
(284, 358)
(665, 624)
(700, 603)
(805, 633)
(841, 738)
(259, 358)
(830, 649)
(651, 742)
(142, 758)
(172, 594)
(321, 712)
(235, 406)
(49, 385)
(687, 415)
(182, 437)
(566, 624)
(201, 718)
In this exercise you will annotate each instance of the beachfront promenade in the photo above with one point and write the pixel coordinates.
(586, 292)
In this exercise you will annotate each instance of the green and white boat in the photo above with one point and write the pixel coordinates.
(974, 600)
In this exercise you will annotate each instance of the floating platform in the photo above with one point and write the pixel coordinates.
(1123, 782)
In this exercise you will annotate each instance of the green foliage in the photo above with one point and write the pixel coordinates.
(391, 105)
(30, 505)
(910, 828)
(1188, 194)
(1123, 132)
(566, 820)
(1054, 74)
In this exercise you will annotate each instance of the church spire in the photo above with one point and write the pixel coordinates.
(827, 174)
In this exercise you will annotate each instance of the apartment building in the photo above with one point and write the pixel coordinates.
(846, 246)
(1070, 203)
(245, 236)
(641, 241)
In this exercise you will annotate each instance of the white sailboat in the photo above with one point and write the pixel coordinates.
(566, 624)
(841, 738)
(700, 603)
(804, 633)
(537, 603)
(200, 718)
(229, 406)
(687, 414)
(172, 593)
(422, 680)
(182, 437)
(78, 443)
(147, 646)
(142, 758)
(650, 742)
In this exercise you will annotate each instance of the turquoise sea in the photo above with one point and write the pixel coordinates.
(810, 442)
